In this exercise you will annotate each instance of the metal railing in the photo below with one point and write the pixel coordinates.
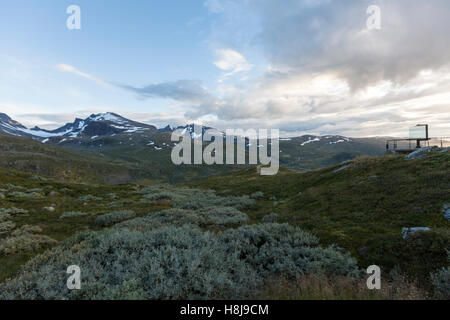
(404, 145)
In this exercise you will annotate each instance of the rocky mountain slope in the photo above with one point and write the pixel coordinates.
(113, 136)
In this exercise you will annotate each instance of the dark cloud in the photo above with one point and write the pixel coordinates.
(303, 36)
(180, 90)
(328, 41)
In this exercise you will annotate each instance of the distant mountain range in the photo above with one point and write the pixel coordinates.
(96, 125)
(117, 138)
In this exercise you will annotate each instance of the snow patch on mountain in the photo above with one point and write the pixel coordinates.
(310, 140)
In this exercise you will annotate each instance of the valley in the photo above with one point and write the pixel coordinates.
(336, 207)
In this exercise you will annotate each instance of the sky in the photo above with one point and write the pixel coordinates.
(301, 66)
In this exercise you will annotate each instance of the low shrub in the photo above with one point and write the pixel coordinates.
(6, 226)
(175, 263)
(169, 263)
(25, 195)
(13, 211)
(120, 203)
(165, 218)
(25, 239)
(281, 249)
(157, 196)
(72, 214)
(441, 282)
(89, 198)
(212, 217)
(193, 199)
(114, 217)
(228, 217)
(257, 195)
(12, 187)
(270, 218)
(4, 216)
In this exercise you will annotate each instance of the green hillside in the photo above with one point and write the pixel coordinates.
(362, 207)
(293, 229)
(305, 153)
(27, 155)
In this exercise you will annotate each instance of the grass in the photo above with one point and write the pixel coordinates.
(64, 199)
(321, 287)
(361, 209)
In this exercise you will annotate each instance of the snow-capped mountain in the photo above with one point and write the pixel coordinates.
(95, 125)
(190, 128)
(10, 126)
(329, 139)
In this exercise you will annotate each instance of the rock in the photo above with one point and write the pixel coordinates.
(418, 154)
(49, 209)
(53, 194)
(373, 177)
(300, 193)
(446, 211)
(410, 231)
(342, 168)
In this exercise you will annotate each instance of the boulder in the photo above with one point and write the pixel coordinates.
(418, 154)
(446, 211)
(410, 231)
(342, 168)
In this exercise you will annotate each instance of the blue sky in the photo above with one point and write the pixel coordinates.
(145, 42)
(308, 66)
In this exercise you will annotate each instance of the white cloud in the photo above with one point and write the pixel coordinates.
(231, 61)
(71, 69)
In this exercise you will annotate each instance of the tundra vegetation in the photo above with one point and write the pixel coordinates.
(223, 238)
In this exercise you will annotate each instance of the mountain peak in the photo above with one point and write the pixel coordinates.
(101, 124)
(11, 126)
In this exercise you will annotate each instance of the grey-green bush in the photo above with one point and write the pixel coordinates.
(270, 218)
(257, 195)
(165, 218)
(222, 217)
(169, 263)
(441, 283)
(114, 217)
(174, 263)
(24, 239)
(13, 211)
(193, 199)
(4, 216)
(281, 249)
(73, 214)
(6, 226)
(211, 217)
(89, 198)
(25, 195)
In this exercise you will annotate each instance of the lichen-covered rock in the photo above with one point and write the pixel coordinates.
(410, 231)
(418, 154)
(446, 211)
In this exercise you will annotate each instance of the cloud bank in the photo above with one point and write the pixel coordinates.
(322, 70)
